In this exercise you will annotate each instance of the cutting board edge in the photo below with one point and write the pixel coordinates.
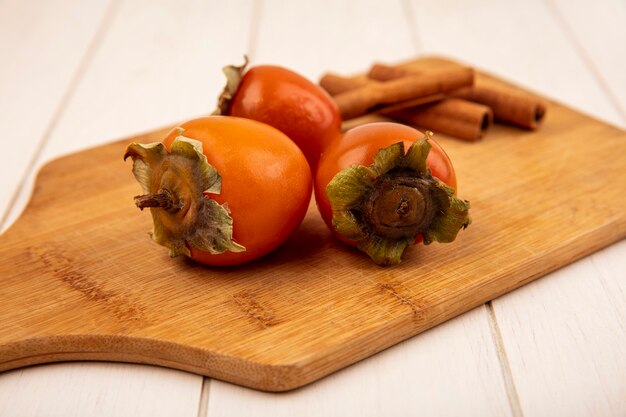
(277, 377)
(134, 349)
(51, 164)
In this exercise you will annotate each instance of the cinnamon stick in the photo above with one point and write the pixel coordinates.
(508, 107)
(451, 116)
(382, 72)
(375, 95)
(335, 84)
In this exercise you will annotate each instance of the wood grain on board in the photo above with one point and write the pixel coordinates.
(82, 279)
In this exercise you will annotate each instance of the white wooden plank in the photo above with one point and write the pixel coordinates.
(159, 63)
(451, 370)
(600, 30)
(338, 36)
(446, 371)
(520, 41)
(98, 389)
(565, 337)
(43, 44)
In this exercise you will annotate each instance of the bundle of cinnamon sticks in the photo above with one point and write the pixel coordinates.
(435, 95)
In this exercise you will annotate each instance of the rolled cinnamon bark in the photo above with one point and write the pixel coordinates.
(510, 108)
(382, 72)
(452, 116)
(336, 84)
(375, 95)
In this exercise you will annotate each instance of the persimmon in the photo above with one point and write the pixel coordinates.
(286, 100)
(385, 186)
(222, 190)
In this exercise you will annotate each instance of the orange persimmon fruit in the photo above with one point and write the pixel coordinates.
(286, 100)
(222, 190)
(385, 186)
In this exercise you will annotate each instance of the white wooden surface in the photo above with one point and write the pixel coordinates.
(76, 74)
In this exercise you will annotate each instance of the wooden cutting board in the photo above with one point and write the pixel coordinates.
(81, 280)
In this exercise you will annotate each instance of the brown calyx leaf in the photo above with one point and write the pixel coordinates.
(234, 75)
(190, 219)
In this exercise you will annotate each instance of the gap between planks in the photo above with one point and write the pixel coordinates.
(584, 56)
(203, 404)
(92, 48)
(505, 367)
(255, 24)
(412, 23)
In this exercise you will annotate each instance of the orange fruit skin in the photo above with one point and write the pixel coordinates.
(294, 105)
(266, 183)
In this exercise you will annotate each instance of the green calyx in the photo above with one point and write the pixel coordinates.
(234, 75)
(176, 184)
(386, 206)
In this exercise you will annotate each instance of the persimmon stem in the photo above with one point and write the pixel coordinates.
(163, 200)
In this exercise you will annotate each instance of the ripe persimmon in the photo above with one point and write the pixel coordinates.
(286, 100)
(222, 190)
(385, 186)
